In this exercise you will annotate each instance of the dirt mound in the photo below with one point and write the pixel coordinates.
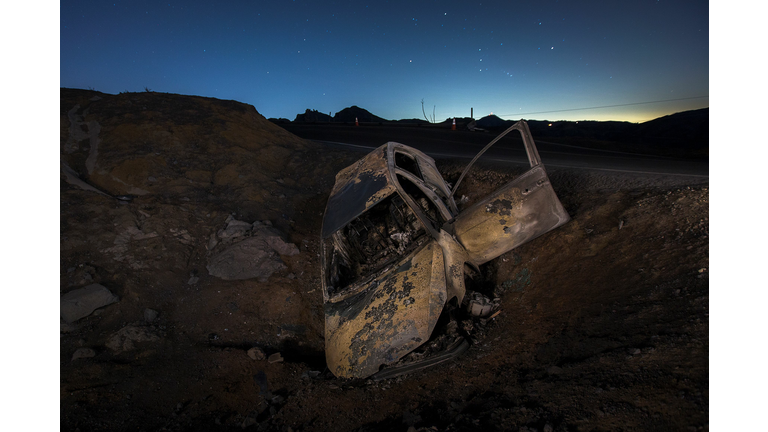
(178, 147)
(603, 322)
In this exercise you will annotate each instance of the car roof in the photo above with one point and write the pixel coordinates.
(358, 187)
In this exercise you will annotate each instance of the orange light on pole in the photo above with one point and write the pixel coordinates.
(453, 126)
(356, 123)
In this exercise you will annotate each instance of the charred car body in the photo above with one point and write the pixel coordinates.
(395, 249)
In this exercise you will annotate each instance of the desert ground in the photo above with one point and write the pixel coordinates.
(603, 323)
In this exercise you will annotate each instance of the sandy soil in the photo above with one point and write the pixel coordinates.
(603, 326)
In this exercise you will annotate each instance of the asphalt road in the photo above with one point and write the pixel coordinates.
(441, 143)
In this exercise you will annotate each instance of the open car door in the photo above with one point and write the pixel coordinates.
(516, 213)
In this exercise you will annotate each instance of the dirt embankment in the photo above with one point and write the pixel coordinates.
(603, 323)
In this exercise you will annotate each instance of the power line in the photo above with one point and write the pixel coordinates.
(604, 106)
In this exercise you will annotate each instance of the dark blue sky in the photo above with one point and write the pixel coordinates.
(535, 59)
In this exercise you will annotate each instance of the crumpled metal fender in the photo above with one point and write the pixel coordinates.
(394, 315)
(455, 258)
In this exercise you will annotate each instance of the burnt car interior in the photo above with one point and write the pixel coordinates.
(375, 239)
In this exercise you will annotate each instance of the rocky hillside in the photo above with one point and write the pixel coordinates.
(182, 148)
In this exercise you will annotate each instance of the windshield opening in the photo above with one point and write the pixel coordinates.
(368, 244)
(407, 163)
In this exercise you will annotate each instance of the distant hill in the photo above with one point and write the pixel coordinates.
(688, 129)
(347, 115)
(313, 116)
(493, 122)
(354, 112)
(681, 134)
(411, 121)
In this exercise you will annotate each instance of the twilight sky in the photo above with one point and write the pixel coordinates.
(544, 59)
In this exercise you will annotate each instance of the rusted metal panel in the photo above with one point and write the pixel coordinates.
(358, 187)
(394, 315)
(518, 212)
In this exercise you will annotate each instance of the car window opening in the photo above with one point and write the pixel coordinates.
(426, 205)
(407, 163)
(376, 239)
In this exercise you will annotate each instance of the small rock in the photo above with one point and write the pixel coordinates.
(212, 241)
(125, 338)
(235, 228)
(256, 353)
(82, 302)
(150, 315)
(249, 421)
(83, 353)
(286, 334)
(275, 358)
(193, 280)
(636, 351)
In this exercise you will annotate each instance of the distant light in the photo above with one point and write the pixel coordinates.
(549, 124)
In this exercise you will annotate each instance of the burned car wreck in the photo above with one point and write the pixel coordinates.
(396, 251)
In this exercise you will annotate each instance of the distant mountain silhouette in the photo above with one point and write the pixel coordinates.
(313, 116)
(681, 134)
(354, 112)
(411, 121)
(493, 122)
(682, 129)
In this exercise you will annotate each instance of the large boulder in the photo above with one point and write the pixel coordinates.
(82, 302)
(254, 257)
